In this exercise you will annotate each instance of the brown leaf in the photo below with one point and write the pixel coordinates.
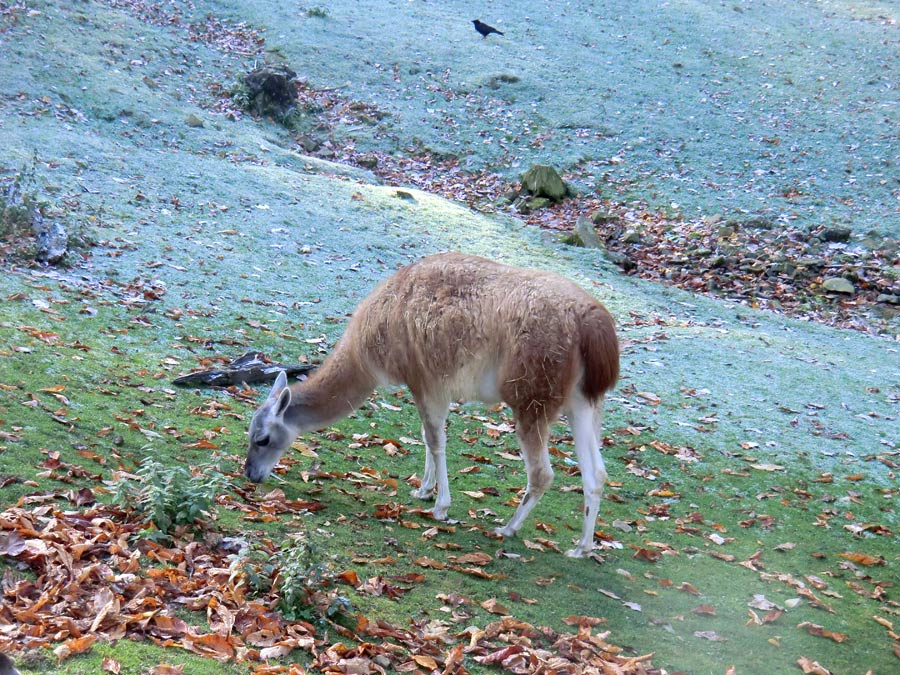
(425, 561)
(425, 661)
(862, 559)
(689, 588)
(706, 610)
(475, 558)
(74, 646)
(212, 645)
(167, 669)
(815, 629)
(350, 577)
(111, 665)
(577, 620)
(478, 572)
(811, 667)
(453, 659)
(494, 607)
(647, 554)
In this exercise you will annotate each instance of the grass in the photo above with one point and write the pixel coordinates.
(217, 239)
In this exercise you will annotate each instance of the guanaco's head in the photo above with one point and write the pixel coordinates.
(270, 435)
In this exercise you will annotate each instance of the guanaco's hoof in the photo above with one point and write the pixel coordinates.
(421, 493)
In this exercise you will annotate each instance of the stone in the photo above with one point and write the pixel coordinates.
(622, 260)
(725, 231)
(889, 299)
(507, 197)
(631, 237)
(538, 203)
(838, 285)
(585, 231)
(271, 90)
(602, 217)
(194, 121)
(52, 240)
(543, 181)
(753, 222)
(836, 234)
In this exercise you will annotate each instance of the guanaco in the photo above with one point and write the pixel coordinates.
(459, 327)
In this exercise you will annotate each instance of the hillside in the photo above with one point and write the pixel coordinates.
(750, 454)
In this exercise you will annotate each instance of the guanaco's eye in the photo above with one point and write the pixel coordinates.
(262, 442)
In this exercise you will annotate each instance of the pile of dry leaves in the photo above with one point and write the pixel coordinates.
(92, 577)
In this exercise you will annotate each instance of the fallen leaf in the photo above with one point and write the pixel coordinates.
(689, 588)
(815, 629)
(767, 467)
(167, 669)
(475, 558)
(647, 554)
(494, 607)
(759, 601)
(111, 665)
(350, 577)
(74, 646)
(862, 559)
(811, 667)
(425, 661)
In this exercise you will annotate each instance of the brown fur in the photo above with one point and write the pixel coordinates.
(454, 326)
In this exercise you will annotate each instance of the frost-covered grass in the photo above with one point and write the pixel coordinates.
(217, 239)
(788, 109)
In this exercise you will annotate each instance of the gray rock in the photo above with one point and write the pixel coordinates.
(725, 231)
(194, 121)
(631, 237)
(543, 181)
(368, 161)
(538, 203)
(753, 222)
(889, 299)
(585, 231)
(838, 285)
(52, 240)
(621, 260)
(602, 217)
(835, 234)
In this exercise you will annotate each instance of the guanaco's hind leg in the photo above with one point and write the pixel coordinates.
(532, 435)
(586, 421)
(434, 419)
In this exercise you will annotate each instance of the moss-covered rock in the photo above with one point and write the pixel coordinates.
(544, 181)
(838, 285)
(538, 203)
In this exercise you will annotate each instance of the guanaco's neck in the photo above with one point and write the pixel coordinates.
(333, 391)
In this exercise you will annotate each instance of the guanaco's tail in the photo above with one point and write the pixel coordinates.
(599, 353)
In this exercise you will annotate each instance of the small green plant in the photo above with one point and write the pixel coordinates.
(301, 574)
(297, 575)
(317, 12)
(18, 205)
(171, 496)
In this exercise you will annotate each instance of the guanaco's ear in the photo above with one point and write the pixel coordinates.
(283, 402)
(280, 384)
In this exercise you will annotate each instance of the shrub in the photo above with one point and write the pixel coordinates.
(170, 496)
(296, 573)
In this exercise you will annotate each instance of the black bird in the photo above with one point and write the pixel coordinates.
(484, 29)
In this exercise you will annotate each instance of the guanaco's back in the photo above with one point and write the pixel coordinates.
(481, 330)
